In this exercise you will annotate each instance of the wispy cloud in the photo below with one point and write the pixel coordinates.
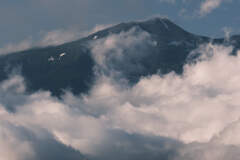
(227, 32)
(58, 37)
(10, 48)
(168, 1)
(208, 6)
(51, 38)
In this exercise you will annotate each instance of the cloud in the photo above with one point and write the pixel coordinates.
(41, 120)
(58, 37)
(81, 15)
(208, 6)
(14, 144)
(51, 38)
(227, 32)
(160, 117)
(169, 1)
(114, 45)
(121, 54)
(10, 48)
(190, 108)
(98, 28)
(160, 103)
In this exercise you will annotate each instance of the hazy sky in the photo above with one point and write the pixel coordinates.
(28, 19)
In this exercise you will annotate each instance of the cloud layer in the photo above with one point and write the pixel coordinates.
(193, 116)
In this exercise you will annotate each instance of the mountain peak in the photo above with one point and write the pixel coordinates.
(159, 23)
(157, 26)
(156, 19)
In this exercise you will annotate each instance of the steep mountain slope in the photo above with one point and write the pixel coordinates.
(72, 65)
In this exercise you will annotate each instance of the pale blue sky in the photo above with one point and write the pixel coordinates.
(25, 19)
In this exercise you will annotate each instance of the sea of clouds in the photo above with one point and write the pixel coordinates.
(192, 116)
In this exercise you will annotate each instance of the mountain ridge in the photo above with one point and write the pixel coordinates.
(75, 69)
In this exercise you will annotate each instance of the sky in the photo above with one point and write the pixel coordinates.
(25, 22)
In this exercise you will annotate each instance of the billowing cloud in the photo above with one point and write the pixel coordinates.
(113, 46)
(180, 107)
(121, 54)
(42, 120)
(160, 117)
(190, 108)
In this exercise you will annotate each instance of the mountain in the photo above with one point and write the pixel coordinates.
(72, 65)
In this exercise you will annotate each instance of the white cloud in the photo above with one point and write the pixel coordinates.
(227, 32)
(42, 111)
(120, 54)
(13, 147)
(189, 108)
(208, 6)
(113, 45)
